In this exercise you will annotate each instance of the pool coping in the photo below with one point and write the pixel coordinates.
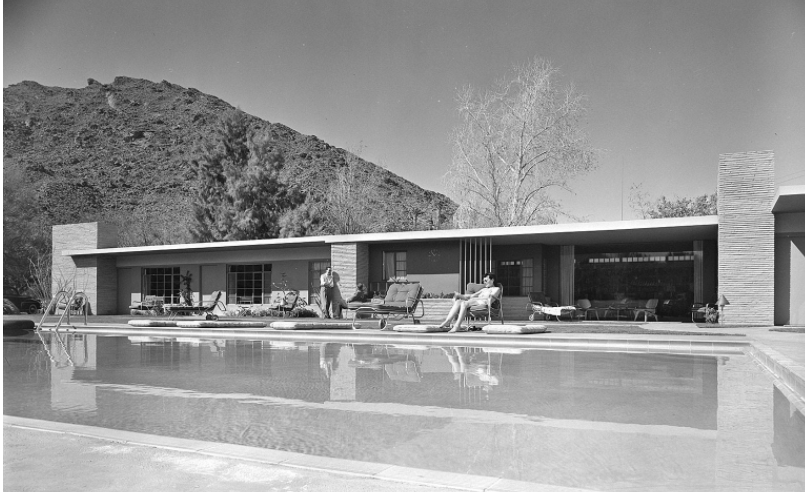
(364, 469)
(598, 342)
(788, 375)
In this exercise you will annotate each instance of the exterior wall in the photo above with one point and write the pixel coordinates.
(95, 275)
(746, 236)
(789, 278)
(242, 256)
(434, 264)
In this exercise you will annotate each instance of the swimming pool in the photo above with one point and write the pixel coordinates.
(596, 420)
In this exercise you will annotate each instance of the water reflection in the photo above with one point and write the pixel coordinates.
(596, 420)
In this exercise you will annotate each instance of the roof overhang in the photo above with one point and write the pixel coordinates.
(632, 231)
(789, 199)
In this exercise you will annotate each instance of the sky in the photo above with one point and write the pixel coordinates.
(671, 84)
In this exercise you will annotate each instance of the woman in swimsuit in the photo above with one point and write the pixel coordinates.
(462, 303)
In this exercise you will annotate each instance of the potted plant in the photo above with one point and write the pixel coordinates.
(186, 293)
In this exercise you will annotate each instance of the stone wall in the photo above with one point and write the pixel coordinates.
(96, 276)
(350, 262)
(746, 236)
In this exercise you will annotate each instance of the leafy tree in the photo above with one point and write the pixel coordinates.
(239, 193)
(662, 207)
(516, 142)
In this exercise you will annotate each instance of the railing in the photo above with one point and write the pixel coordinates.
(68, 298)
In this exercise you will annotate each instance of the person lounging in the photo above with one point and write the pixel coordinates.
(462, 303)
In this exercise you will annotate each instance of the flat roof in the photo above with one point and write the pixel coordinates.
(583, 233)
(789, 199)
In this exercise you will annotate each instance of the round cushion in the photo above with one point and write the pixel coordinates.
(312, 325)
(421, 328)
(514, 329)
(152, 323)
(201, 323)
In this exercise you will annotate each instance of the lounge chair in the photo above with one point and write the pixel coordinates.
(402, 300)
(206, 308)
(649, 310)
(494, 308)
(149, 303)
(537, 301)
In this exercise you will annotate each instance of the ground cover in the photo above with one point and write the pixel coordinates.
(789, 330)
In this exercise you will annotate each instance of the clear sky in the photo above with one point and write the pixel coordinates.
(671, 83)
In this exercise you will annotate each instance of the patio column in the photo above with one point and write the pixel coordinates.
(567, 264)
(350, 262)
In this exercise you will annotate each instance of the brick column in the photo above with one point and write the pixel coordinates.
(350, 262)
(96, 276)
(746, 236)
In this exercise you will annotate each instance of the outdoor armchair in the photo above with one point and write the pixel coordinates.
(492, 308)
(401, 301)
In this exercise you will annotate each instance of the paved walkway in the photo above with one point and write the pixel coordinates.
(35, 460)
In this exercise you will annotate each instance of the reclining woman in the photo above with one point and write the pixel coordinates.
(462, 303)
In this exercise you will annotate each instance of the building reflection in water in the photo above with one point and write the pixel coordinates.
(691, 410)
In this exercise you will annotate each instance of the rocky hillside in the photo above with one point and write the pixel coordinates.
(125, 147)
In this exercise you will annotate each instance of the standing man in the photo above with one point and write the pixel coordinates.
(327, 285)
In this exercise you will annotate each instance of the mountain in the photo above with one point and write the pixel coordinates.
(123, 151)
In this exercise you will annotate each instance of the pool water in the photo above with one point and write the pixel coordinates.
(595, 420)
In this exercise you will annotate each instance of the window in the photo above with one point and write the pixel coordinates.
(248, 284)
(612, 274)
(163, 282)
(516, 276)
(394, 264)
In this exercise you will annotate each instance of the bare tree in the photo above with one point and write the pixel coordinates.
(516, 142)
(350, 202)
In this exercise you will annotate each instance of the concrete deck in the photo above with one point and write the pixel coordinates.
(41, 455)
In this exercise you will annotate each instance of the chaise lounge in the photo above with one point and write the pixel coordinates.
(206, 308)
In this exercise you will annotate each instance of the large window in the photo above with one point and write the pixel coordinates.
(394, 264)
(248, 284)
(163, 282)
(636, 275)
(516, 276)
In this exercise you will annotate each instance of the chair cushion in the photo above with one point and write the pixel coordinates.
(558, 310)
(403, 293)
(514, 329)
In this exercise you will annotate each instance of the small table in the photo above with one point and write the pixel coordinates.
(618, 308)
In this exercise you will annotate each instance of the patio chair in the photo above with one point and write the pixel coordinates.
(649, 310)
(401, 301)
(493, 308)
(206, 308)
(584, 307)
(289, 302)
